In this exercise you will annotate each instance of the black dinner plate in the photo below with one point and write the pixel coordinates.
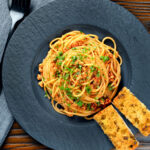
(30, 44)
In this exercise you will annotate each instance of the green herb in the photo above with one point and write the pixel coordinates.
(88, 106)
(92, 68)
(84, 50)
(72, 70)
(104, 58)
(46, 94)
(67, 68)
(60, 53)
(62, 87)
(79, 103)
(77, 73)
(98, 74)
(67, 89)
(69, 105)
(80, 57)
(103, 99)
(98, 103)
(80, 67)
(57, 46)
(56, 58)
(74, 58)
(59, 63)
(96, 98)
(43, 79)
(88, 89)
(74, 48)
(66, 76)
(110, 87)
(57, 73)
(69, 94)
(101, 57)
(81, 32)
(61, 57)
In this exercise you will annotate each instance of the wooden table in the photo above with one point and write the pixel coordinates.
(18, 139)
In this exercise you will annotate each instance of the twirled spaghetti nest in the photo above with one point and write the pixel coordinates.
(80, 73)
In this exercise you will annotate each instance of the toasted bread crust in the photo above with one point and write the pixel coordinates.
(116, 129)
(134, 110)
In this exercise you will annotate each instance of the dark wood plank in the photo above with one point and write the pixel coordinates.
(18, 139)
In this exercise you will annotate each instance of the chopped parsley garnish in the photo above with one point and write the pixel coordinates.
(69, 69)
(60, 53)
(46, 94)
(79, 103)
(80, 67)
(62, 87)
(81, 32)
(67, 89)
(69, 105)
(98, 74)
(57, 74)
(84, 50)
(96, 98)
(66, 76)
(104, 58)
(103, 99)
(88, 106)
(59, 63)
(98, 103)
(74, 58)
(77, 73)
(80, 57)
(74, 48)
(72, 70)
(68, 92)
(92, 68)
(110, 87)
(61, 57)
(43, 79)
(88, 89)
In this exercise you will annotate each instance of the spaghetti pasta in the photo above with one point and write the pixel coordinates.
(80, 73)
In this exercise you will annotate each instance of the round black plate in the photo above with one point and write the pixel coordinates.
(29, 45)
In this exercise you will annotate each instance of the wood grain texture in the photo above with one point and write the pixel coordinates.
(18, 139)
